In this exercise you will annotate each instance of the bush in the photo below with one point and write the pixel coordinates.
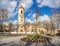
(34, 36)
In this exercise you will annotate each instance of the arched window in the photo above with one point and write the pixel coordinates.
(21, 30)
(32, 30)
(21, 12)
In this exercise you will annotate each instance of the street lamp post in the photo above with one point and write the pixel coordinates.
(37, 15)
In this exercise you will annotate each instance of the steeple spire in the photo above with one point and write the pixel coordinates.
(20, 6)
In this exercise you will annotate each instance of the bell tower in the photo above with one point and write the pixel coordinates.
(20, 19)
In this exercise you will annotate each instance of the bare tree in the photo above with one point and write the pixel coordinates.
(10, 28)
(52, 26)
(56, 17)
(3, 16)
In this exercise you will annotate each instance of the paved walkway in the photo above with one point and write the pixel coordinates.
(10, 40)
(15, 41)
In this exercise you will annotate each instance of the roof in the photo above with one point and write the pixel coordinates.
(21, 7)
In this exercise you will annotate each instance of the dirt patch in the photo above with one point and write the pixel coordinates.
(35, 40)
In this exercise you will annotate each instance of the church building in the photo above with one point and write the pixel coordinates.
(31, 27)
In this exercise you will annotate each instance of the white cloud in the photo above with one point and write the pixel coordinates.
(4, 4)
(38, 1)
(50, 3)
(40, 18)
(29, 14)
(15, 22)
(28, 20)
(12, 14)
(13, 4)
(9, 5)
(32, 19)
(11, 8)
(43, 18)
(26, 4)
(34, 15)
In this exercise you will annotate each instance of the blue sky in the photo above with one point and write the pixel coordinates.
(45, 8)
